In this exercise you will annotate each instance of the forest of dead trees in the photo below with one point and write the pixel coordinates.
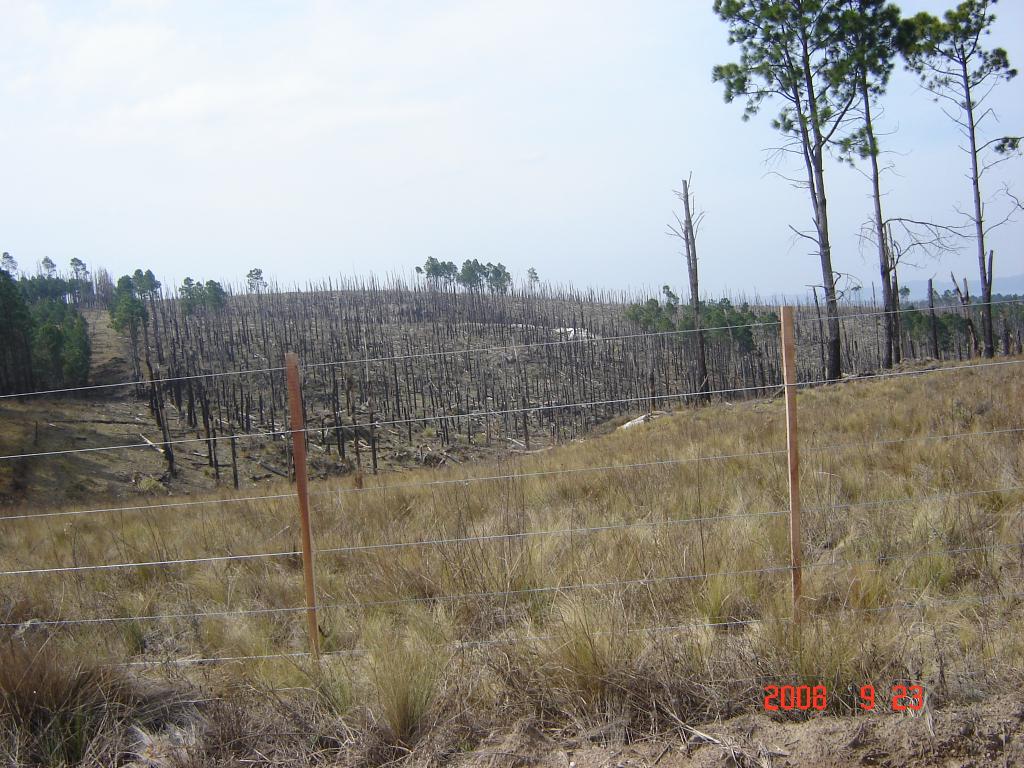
(392, 367)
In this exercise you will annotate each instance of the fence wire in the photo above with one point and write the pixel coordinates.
(493, 348)
(559, 588)
(877, 562)
(688, 626)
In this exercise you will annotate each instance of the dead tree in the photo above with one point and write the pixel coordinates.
(965, 301)
(685, 230)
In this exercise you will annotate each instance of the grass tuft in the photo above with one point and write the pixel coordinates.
(56, 711)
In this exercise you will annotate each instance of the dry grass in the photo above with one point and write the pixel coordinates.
(430, 646)
(57, 710)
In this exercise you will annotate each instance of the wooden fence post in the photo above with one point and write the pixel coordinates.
(792, 451)
(298, 439)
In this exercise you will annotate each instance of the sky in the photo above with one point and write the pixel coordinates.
(316, 139)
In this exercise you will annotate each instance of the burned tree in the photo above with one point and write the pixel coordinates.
(685, 229)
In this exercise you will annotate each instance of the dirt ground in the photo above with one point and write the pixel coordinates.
(987, 733)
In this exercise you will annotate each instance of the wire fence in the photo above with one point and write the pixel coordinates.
(377, 424)
(802, 608)
(558, 588)
(902, 607)
(675, 332)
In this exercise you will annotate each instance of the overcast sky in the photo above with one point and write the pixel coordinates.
(325, 138)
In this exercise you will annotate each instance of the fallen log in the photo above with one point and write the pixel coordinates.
(272, 468)
(151, 444)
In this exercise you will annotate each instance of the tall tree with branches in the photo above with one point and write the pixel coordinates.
(791, 51)
(871, 34)
(948, 56)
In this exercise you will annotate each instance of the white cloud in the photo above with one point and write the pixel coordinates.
(530, 130)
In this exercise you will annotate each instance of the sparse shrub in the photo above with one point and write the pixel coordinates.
(55, 710)
(404, 674)
(151, 486)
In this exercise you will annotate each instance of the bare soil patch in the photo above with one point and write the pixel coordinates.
(989, 733)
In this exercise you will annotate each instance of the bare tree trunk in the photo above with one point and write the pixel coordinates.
(897, 321)
(157, 397)
(934, 320)
(965, 302)
(813, 151)
(821, 331)
(979, 222)
(234, 463)
(834, 368)
(884, 264)
(690, 239)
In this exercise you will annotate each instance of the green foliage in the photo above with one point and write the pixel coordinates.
(440, 272)
(728, 323)
(775, 41)
(145, 284)
(53, 287)
(216, 296)
(77, 352)
(499, 280)
(651, 316)
(871, 35)
(951, 326)
(79, 270)
(60, 345)
(671, 299)
(128, 313)
(948, 326)
(128, 310)
(16, 331)
(948, 57)
(931, 44)
(44, 288)
(799, 54)
(473, 276)
(254, 279)
(46, 342)
(196, 294)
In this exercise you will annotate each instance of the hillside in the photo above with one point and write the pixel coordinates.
(605, 591)
(399, 376)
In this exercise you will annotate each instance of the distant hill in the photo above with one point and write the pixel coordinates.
(1001, 284)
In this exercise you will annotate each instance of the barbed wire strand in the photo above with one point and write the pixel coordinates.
(478, 350)
(503, 412)
(482, 537)
(583, 530)
(658, 629)
(390, 358)
(512, 476)
(149, 563)
(145, 507)
(506, 593)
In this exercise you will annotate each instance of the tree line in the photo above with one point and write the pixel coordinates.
(45, 338)
(472, 276)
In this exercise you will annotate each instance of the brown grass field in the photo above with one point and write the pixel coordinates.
(565, 614)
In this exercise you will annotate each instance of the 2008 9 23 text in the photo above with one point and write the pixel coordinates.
(806, 697)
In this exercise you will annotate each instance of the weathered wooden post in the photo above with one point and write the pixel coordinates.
(298, 429)
(792, 451)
